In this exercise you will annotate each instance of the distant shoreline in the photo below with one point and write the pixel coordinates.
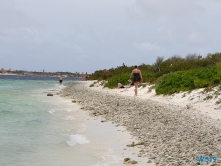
(8, 74)
(37, 76)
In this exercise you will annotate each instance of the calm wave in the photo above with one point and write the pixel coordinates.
(38, 130)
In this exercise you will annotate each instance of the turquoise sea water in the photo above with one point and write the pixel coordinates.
(38, 130)
(33, 127)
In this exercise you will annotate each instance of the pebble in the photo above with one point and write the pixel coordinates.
(167, 134)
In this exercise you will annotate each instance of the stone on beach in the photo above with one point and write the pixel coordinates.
(129, 161)
(168, 134)
(189, 106)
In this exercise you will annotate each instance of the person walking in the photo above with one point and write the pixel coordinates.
(82, 76)
(86, 76)
(60, 80)
(137, 77)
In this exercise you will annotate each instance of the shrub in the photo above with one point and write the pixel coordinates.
(184, 95)
(113, 81)
(92, 85)
(172, 75)
(218, 101)
(216, 93)
(207, 89)
(175, 82)
(208, 97)
(188, 80)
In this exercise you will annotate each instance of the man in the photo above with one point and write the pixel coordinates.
(60, 80)
(86, 76)
(137, 78)
(82, 76)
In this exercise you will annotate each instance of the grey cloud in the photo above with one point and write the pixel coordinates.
(170, 9)
(89, 35)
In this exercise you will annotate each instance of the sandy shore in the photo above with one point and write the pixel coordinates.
(197, 100)
(167, 131)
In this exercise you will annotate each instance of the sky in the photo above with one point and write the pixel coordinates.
(89, 35)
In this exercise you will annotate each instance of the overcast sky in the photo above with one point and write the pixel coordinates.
(89, 35)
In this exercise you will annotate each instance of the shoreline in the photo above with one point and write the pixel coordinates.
(167, 133)
(106, 139)
(98, 143)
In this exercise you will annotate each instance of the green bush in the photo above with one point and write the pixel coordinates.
(172, 75)
(188, 80)
(113, 81)
(148, 77)
(208, 97)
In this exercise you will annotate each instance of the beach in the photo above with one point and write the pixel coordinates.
(168, 130)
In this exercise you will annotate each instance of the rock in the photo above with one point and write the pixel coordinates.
(136, 127)
(133, 162)
(149, 161)
(189, 106)
(152, 157)
(140, 143)
(131, 145)
(93, 115)
(49, 94)
(65, 95)
(126, 159)
(129, 161)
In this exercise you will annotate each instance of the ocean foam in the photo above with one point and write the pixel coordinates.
(51, 112)
(77, 139)
(68, 110)
(60, 86)
(65, 130)
(69, 118)
(82, 128)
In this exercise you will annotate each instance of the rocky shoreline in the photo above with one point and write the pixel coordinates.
(167, 134)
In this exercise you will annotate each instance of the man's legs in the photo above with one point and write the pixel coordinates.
(136, 86)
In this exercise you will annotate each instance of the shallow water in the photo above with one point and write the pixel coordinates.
(39, 130)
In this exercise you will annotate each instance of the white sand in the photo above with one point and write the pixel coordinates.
(195, 99)
(107, 141)
(107, 135)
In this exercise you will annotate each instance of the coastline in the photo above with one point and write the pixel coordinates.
(169, 134)
(97, 143)
(107, 140)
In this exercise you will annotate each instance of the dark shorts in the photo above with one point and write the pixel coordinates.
(136, 79)
(60, 81)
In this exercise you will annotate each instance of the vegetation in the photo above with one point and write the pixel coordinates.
(172, 75)
(218, 101)
(208, 97)
(189, 80)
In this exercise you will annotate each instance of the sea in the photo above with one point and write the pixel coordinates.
(41, 130)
